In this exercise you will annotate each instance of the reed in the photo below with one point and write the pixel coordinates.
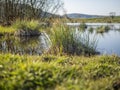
(103, 29)
(67, 40)
(91, 30)
(82, 26)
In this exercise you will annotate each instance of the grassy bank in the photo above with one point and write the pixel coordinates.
(36, 25)
(6, 30)
(18, 25)
(97, 20)
(49, 72)
(63, 39)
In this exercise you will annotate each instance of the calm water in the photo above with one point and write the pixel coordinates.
(108, 43)
(24, 45)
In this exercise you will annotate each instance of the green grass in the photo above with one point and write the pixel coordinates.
(91, 30)
(24, 24)
(83, 26)
(65, 40)
(103, 29)
(49, 72)
(18, 25)
(98, 20)
(6, 30)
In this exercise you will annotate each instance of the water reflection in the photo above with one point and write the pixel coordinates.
(108, 42)
(23, 45)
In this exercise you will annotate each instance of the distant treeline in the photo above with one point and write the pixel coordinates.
(108, 19)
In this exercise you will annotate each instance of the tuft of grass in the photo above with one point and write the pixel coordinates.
(20, 25)
(6, 30)
(83, 26)
(103, 29)
(26, 25)
(67, 40)
(48, 72)
(91, 30)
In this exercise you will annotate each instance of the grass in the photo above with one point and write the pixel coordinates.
(83, 26)
(6, 30)
(67, 41)
(18, 25)
(24, 24)
(48, 72)
(62, 71)
(97, 20)
(91, 30)
(103, 29)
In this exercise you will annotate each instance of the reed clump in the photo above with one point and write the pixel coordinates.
(67, 40)
(83, 26)
(103, 29)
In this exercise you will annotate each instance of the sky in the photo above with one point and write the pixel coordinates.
(93, 7)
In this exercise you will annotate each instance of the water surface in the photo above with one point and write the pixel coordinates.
(24, 45)
(108, 42)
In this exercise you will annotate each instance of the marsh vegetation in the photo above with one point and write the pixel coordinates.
(49, 72)
(63, 65)
(42, 51)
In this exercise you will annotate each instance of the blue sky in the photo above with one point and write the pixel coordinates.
(98, 7)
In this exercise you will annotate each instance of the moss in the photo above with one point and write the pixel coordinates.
(58, 72)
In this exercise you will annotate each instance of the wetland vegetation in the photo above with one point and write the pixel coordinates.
(49, 72)
(68, 63)
(41, 51)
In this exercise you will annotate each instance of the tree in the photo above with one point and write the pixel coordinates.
(112, 14)
(13, 9)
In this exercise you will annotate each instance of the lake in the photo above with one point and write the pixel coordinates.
(108, 43)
